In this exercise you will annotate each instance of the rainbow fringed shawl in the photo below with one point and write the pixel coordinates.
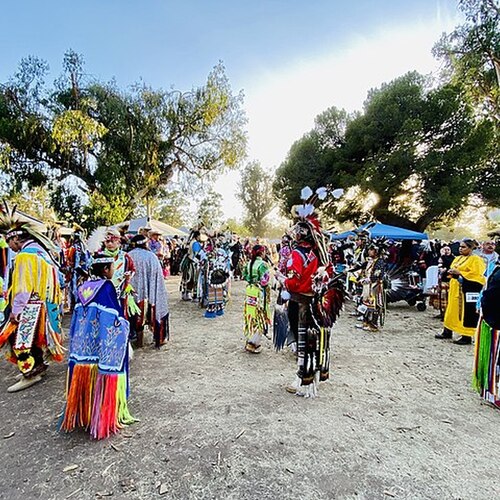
(97, 380)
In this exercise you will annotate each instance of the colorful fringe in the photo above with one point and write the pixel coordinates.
(486, 372)
(256, 311)
(95, 401)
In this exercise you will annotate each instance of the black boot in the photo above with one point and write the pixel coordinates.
(446, 334)
(463, 340)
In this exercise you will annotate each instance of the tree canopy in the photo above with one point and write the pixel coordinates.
(210, 211)
(117, 145)
(472, 53)
(256, 193)
(414, 154)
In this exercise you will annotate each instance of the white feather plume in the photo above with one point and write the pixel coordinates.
(305, 210)
(306, 193)
(322, 192)
(96, 238)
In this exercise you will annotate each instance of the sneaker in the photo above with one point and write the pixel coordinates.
(24, 383)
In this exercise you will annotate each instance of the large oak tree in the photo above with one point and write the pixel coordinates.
(119, 146)
(416, 152)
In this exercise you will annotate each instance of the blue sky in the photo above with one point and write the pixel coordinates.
(292, 58)
(167, 42)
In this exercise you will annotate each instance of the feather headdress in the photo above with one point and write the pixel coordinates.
(306, 216)
(11, 224)
(96, 239)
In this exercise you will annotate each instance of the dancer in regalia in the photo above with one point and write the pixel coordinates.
(78, 259)
(486, 375)
(32, 326)
(315, 296)
(257, 299)
(371, 279)
(123, 271)
(218, 278)
(151, 293)
(4, 275)
(97, 381)
(190, 265)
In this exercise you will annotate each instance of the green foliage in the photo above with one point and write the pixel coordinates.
(472, 53)
(105, 210)
(256, 193)
(74, 129)
(67, 205)
(122, 145)
(233, 226)
(414, 155)
(34, 202)
(173, 209)
(310, 158)
(210, 211)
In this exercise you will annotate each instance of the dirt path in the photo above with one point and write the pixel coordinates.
(398, 420)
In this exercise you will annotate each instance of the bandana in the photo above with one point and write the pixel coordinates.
(103, 260)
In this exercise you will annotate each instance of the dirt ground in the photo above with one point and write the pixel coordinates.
(397, 420)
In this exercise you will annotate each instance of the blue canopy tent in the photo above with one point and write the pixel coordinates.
(378, 230)
(342, 236)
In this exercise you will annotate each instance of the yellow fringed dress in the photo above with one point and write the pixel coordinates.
(472, 268)
(34, 297)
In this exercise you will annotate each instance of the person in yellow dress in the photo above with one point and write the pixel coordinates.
(467, 280)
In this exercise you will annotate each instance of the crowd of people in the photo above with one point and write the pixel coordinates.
(113, 296)
(117, 295)
(461, 279)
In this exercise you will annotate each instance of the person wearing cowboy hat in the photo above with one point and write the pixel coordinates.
(154, 243)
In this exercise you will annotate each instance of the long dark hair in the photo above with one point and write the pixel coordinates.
(257, 251)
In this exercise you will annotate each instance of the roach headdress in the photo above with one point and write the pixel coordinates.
(307, 220)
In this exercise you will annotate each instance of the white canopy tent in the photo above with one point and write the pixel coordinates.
(133, 226)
